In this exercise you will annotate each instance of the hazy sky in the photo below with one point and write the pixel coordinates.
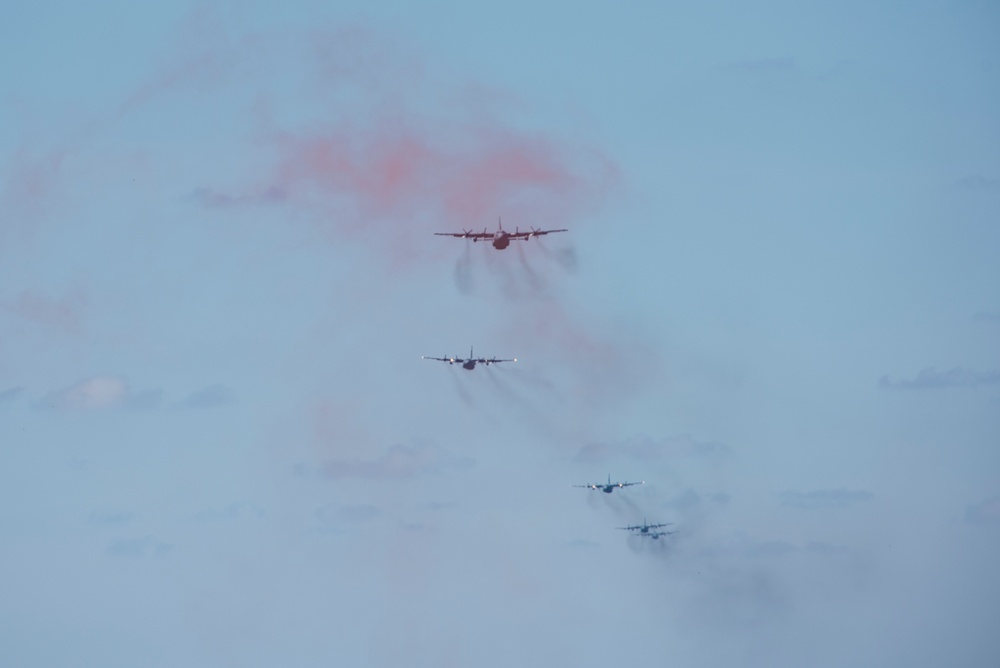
(778, 303)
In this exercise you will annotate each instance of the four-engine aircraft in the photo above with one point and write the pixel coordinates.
(609, 487)
(471, 362)
(501, 238)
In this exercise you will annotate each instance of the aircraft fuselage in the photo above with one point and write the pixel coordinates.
(501, 240)
(469, 364)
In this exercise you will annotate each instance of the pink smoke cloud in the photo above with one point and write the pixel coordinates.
(383, 173)
(65, 314)
(606, 361)
(399, 154)
(32, 177)
(29, 185)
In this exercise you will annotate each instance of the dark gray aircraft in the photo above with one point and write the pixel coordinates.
(501, 238)
(644, 530)
(657, 534)
(610, 486)
(471, 362)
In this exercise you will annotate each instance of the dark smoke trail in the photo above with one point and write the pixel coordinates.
(564, 257)
(532, 379)
(460, 389)
(535, 281)
(463, 272)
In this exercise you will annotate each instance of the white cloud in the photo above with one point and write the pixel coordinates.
(100, 393)
(96, 393)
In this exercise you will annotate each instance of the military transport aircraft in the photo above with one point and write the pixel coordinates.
(644, 529)
(501, 238)
(471, 362)
(609, 487)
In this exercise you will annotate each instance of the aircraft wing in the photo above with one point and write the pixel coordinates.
(465, 235)
(629, 484)
(533, 233)
(454, 360)
(493, 360)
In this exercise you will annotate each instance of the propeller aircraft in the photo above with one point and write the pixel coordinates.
(501, 238)
(470, 362)
(609, 487)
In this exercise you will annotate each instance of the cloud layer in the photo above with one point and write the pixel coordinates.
(400, 461)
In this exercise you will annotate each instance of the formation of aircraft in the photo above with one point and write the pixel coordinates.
(501, 238)
(647, 530)
(609, 487)
(470, 362)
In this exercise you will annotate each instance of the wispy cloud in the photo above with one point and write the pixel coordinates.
(138, 547)
(932, 379)
(334, 514)
(31, 179)
(646, 448)
(212, 396)
(215, 199)
(100, 393)
(824, 498)
(984, 512)
(65, 314)
(11, 394)
(400, 461)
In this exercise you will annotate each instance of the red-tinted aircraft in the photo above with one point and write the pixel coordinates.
(501, 238)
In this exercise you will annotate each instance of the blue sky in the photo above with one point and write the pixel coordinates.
(776, 303)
